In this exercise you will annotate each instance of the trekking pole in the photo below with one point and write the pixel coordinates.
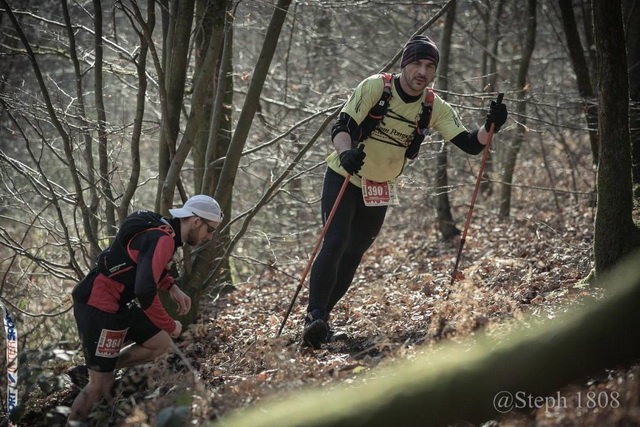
(315, 251)
(485, 155)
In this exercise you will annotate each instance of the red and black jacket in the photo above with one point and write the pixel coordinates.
(136, 265)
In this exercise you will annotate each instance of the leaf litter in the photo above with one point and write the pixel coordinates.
(517, 271)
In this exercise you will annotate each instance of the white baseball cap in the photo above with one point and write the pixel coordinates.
(201, 205)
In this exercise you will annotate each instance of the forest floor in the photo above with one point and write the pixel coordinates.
(521, 269)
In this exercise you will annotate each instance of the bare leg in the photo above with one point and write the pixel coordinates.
(100, 383)
(99, 387)
(137, 354)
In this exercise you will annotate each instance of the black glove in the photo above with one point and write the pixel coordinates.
(414, 148)
(352, 160)
(497, 115)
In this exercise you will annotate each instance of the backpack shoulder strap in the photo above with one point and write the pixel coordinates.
(380, 109)
(117, 258)
(377, 112)
(422, 126)
(152, 221)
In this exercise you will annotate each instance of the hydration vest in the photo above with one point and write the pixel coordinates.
(377, 113)
(115, 262)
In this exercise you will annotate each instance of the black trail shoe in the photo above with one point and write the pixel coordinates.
(315, 329)
(333, 336)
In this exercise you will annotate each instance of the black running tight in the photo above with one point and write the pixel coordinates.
(352, 231)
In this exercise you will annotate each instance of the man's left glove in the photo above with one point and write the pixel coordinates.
(497, 115)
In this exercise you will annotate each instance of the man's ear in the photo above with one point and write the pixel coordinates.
(190, 221)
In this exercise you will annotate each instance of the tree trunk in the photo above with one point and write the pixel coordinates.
(459, 384)
(227, 176)
(615, 232)
(103, 154)
(631, 10)
(581, 69)
(85, 126)
(490, 81)
(521, 109)
(446, 224)
(587, 23)
(201, 273)
(216, 127)
(208, 38)
(176, 62)
(217, 141)
(141, 66)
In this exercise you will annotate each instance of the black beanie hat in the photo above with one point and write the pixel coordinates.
(419, 47)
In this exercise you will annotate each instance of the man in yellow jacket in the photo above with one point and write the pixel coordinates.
(372, 159)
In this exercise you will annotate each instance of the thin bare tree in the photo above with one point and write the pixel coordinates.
(513, 148)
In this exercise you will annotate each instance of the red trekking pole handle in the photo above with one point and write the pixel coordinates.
(485, 155)
(315, 251)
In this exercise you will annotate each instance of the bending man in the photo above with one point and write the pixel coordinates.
(118, 300)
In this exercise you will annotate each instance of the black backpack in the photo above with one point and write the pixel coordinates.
(115, 262)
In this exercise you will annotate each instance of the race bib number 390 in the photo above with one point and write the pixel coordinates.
(110, 343)
(379, 193)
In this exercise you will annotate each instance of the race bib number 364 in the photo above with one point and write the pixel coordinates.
(110, 343)
(379, 193)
